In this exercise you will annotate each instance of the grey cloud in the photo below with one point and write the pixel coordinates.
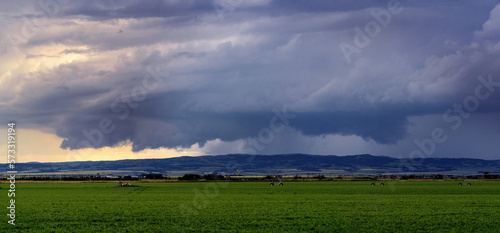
(222, 78)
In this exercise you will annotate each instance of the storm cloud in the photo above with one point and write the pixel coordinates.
(177, 73)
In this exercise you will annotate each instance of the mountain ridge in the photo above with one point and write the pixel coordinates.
(266, 164)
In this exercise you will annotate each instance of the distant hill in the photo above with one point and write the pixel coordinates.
(266, 164)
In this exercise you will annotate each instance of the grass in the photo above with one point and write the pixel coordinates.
(256, 207)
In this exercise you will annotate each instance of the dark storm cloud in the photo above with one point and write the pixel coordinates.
(110, 9)
(225, 66)
(384, 127)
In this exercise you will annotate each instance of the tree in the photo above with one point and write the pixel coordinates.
(154, 176)
(438, 176)
(212, 177)
(487, 175)
(319, 177)
(190, 177)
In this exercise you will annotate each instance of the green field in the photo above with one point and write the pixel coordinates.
(256, 207)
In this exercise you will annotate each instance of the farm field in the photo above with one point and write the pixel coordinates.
(323, 206)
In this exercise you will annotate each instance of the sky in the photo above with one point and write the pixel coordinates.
(109, 80)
